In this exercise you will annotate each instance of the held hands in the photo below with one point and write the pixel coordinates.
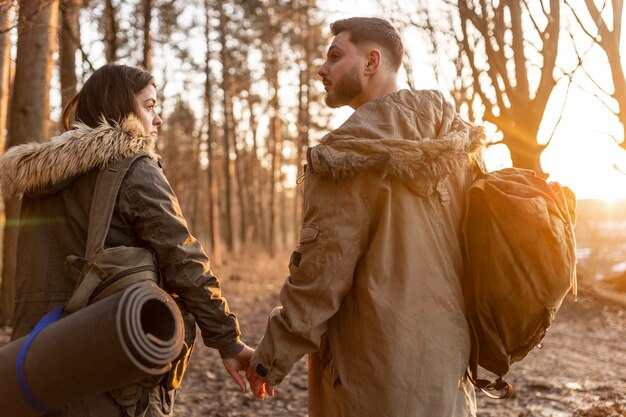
(241, 362)
(258, 384)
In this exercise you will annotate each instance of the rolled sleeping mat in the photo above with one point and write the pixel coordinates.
(124, 338)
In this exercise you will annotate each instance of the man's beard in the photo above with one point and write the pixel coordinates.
(345, 89)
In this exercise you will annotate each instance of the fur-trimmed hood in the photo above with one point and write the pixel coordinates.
(414, 136)
(35, 167)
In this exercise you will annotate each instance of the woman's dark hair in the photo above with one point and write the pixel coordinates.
(109, 93)
(372, 29)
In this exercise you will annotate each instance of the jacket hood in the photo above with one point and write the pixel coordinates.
(414, 136)
(36, 167)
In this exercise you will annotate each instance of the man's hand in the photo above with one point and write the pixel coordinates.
(239, 363)
(258, 385)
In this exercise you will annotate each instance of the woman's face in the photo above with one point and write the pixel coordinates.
(145, 103)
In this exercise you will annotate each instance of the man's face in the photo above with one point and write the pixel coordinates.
(341, 73)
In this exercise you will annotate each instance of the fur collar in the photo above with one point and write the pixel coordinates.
(34, 167)
(399, 135)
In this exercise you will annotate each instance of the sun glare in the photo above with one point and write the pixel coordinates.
(590, 167)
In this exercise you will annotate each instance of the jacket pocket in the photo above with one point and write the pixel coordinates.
(305, 261)
(308, 234)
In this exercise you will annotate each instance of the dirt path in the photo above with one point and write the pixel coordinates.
(580, 372)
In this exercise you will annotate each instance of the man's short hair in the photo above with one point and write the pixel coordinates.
(372, 29)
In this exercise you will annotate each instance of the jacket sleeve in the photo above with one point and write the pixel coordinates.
(333, 237)
(149, 205)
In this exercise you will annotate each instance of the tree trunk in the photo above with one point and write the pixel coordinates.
(6, 21)
(501, 80)
(148, 6)
(240, 166)
(276, 150)
(256, 177)
(304, 96)
(68, 45)
(275, 131)
(111, 27)
(213, 205)
(228, 130)
(283, 218)
(29, 114)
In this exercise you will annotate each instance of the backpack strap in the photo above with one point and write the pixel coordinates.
(498, 389)
(102, 205)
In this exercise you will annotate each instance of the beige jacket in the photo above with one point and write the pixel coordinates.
(374, 292)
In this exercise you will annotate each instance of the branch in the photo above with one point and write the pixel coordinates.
(595, 38)
(558, 121)
(596, 16)
(550, 49)
(493, 70)
(599, 87)
(600, 99)
(470, 55)
(618, 169)
(617, 16)
(76, 38)
(543, 8)
(532, 18)
(519, 57)
(26, 19)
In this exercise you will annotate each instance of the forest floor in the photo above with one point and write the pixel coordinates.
(580, 371)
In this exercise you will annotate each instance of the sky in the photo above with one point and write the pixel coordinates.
(583, 153)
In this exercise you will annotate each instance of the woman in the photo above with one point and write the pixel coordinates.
(117, 108)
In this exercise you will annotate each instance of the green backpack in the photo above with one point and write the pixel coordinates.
(520, 263)
(105, 271)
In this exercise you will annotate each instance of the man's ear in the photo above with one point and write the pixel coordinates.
(374, 57)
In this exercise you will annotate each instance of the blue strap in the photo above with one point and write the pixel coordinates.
(49, 318)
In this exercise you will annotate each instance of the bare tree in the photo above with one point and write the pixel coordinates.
(257, 178)
(213, 206)
(607, 34)
(506, 45)
(28, 114)
(275, 135)
(181, 159)
(228, 130)
(111, 29)
(69, 44)
(307, 48)
(6, 21)
(148, 7)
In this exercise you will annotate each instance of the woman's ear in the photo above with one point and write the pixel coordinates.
(374, 57)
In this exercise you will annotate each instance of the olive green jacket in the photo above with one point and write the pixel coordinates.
(374, 293)
(56, 180)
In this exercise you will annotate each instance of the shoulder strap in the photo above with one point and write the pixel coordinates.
(103, 202)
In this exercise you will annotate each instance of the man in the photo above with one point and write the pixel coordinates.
(374, 293)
